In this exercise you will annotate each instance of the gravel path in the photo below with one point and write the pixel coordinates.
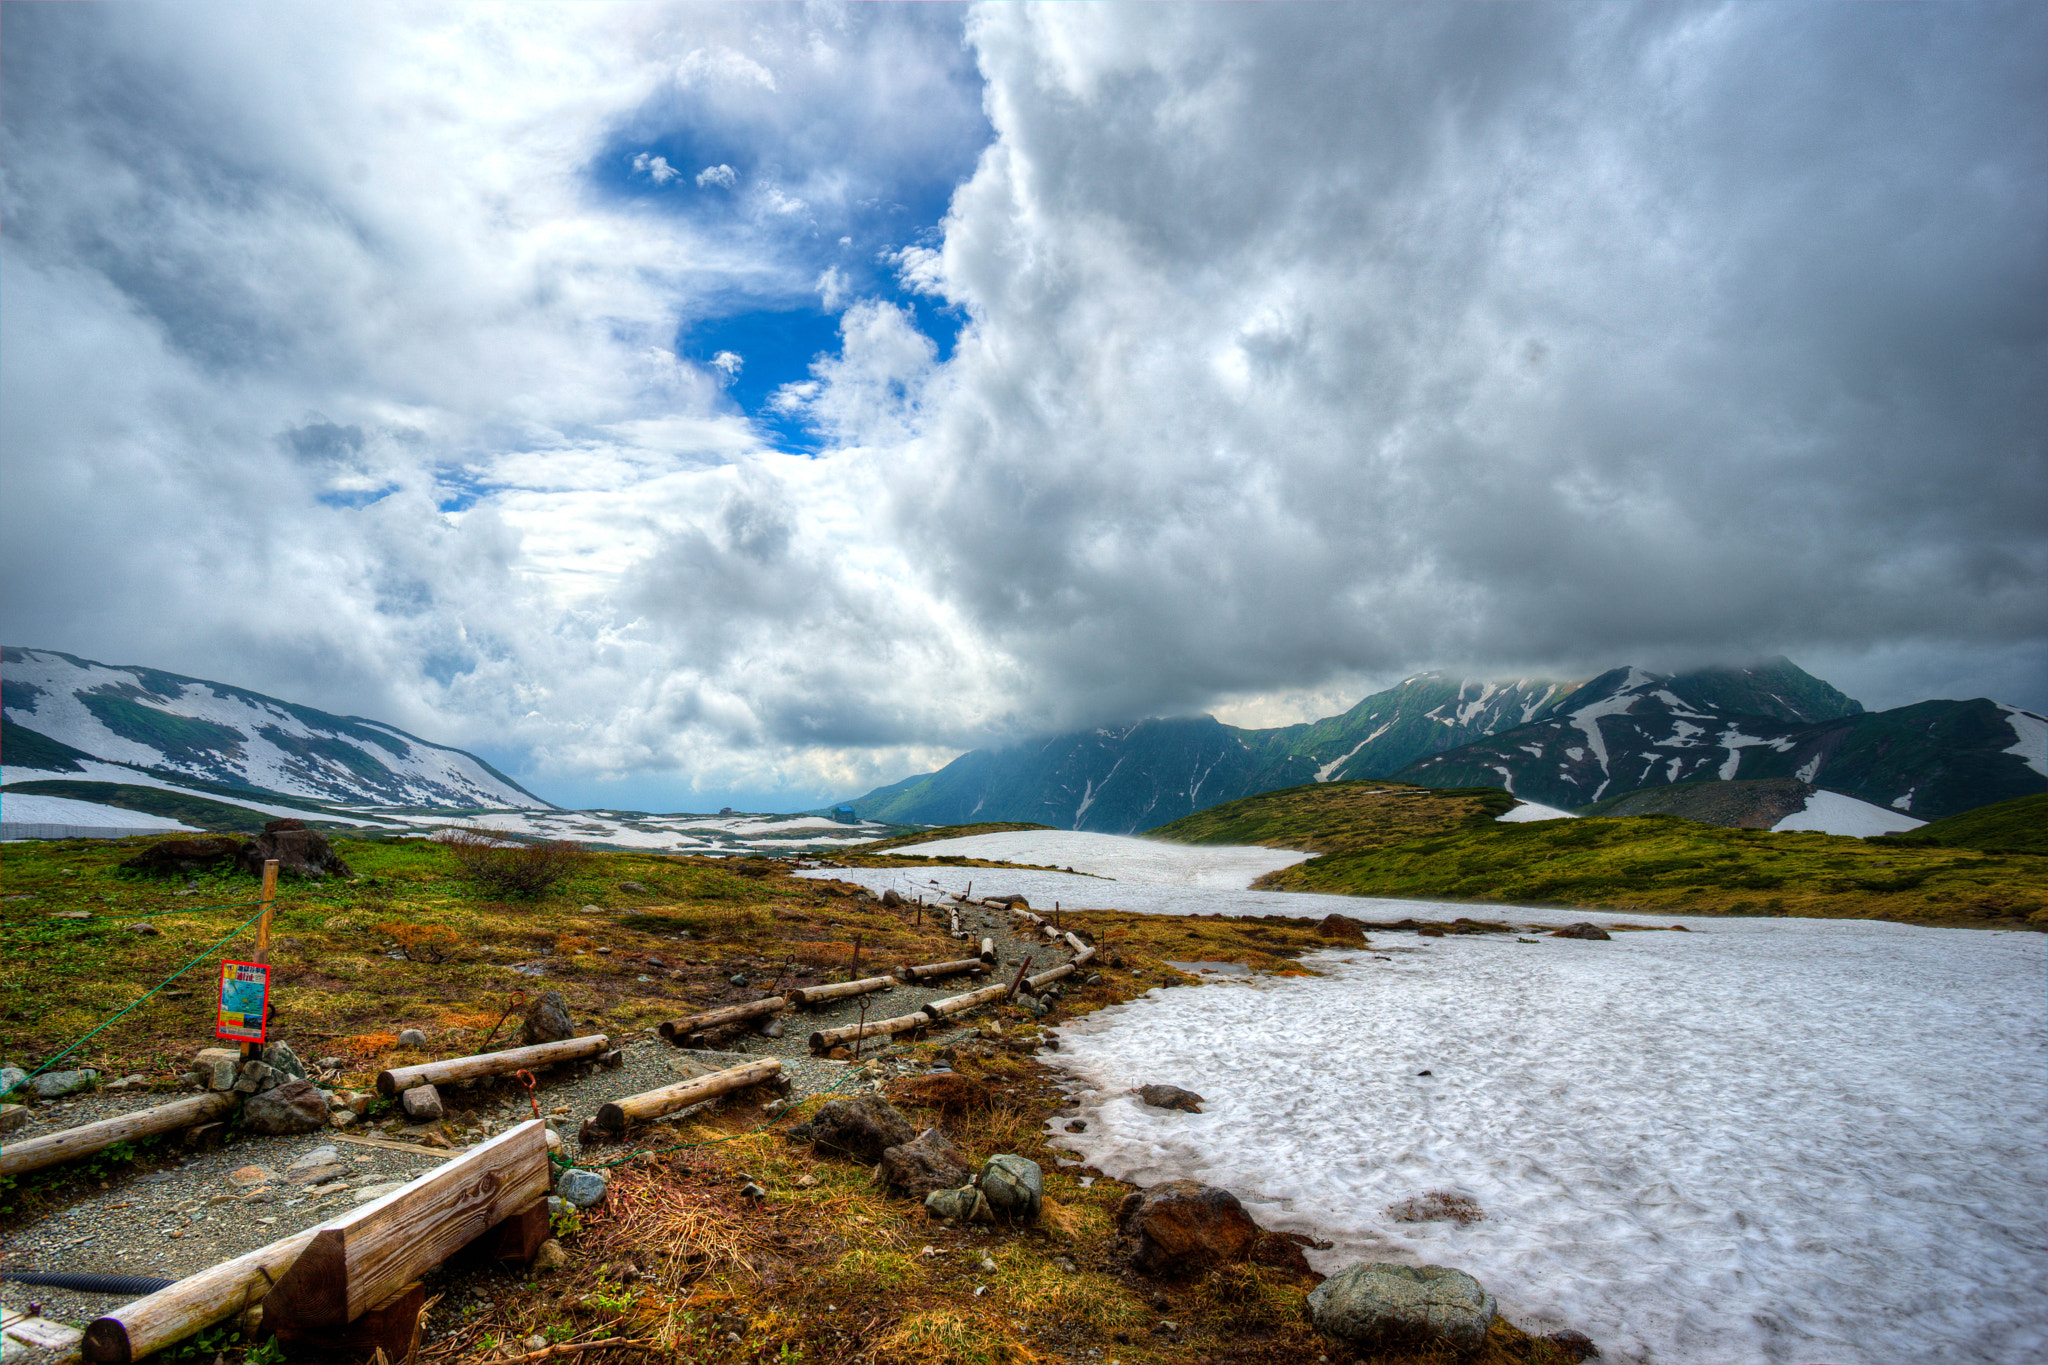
(203, 1207)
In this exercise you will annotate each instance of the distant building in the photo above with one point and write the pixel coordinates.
(844, 815)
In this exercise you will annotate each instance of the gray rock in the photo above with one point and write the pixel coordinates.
(52, 1084)
(862, 1127)
(636, 888)
(926, 1164)
(10, 1077)
(1013, 1186)
(412, 1037)
(298, 850)
(772, 1029)
(281, 1056)
(422, 1104)
(964, 1204)
(257, 1076)
(581, 1189)
(294, 1107)
(1582, 930)
(1380, 1304)
(217, 1067)
(737, 979)
(1170, 1097)
(319, 1156)
(12, 1117)
(547, 1020)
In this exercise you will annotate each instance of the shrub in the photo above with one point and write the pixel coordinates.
(512, 867)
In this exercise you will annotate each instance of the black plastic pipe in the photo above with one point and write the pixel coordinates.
(86, 1283)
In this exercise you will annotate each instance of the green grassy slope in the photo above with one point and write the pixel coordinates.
(1326, 817)
(2016, 826)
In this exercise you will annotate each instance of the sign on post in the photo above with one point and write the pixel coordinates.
(244, 1001)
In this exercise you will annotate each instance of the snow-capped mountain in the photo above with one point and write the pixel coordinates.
(64, 714)
(1629, 730)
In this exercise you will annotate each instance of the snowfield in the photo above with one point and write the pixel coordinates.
(25, 809)
(1121, 856)
(1529, 812)
(1781, 1140)
(1833, 813)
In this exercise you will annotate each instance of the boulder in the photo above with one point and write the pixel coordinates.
(928, 1163)
(892, 900)
(1170, 1097)
(581, 1189)
(1581, 931)
(181, 857)
(947, 1090)
(412, 1037)
(1014, 1187)
(294, 1107)
(298, 850)
(964, 1204)
(1341, 927)
(10, 1077)
(1183, 1225)
(217, 1067)
(547, 1020)
(1377, 1304)
(862, 1127)
(281, 1056)
(52, 1084)
(422, 1104)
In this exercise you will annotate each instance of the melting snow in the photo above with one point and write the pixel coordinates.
(1323, 773)
(1530, 811)
(23, 808)
(1833, 813)
(2030, 735)
(1149, 862)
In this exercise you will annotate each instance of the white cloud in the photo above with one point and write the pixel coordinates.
(724, 66)
(721, 175)
(919, 269)
(832, 288)
(657, 169)
(729, 364)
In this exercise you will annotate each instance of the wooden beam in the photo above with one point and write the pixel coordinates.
(731, 1014)
(1044, 979)
(1081, 958)
(1074, 942)
(934, 971)
(826, 1039)
(491, 1063)
(653, 1104)
(198, 1301)
(367, 1256)
(19, 1157)
(803, 997)
(939, 1009)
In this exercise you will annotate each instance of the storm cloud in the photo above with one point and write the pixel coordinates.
(690, 404)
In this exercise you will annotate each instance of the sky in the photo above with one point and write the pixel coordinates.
(691, 405)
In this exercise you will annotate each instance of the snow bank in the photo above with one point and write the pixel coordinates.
(20, 808)
(1122, 857)
(1530, 811)
(1766, 1140)
(1833, 813)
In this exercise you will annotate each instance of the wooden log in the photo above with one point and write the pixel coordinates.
(1026, 916)
(491, 1063)
(954, 1004)
(1074, 942)
(652, 1104)
(365, 1258)
(934, 971)
(731, 1014)
(1044, 979)
(51, 1148)
(803, 997)
(1081, 958)
(826, 1039)
(988, 951)
(194, 1303)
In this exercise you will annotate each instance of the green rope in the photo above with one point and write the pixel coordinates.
(204, 953)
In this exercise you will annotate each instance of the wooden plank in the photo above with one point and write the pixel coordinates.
(86, 1139)
(805, 996)
(198, 1301)
(387, 1145)
(731, 1014)
(652, 1104)
(491, 1063)
(365, 1257)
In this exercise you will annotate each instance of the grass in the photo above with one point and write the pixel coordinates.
(1660, 862)
(2016, 826)
(1331, 817)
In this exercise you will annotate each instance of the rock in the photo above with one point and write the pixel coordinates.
(636, 888)
(258, 1076)
(52, 1084)
(339, 1119)
(281, 1056)
(1574, 1346)
(964, 1204)
(1284, 1250)
(217, 1067)
(319, 1156)
(249, 1177)
(862, 1127)
(1378, 1304)
(580, 1188)
(947, 1090)
(554, 1141)
(928, 1163)
(737, 979)
(422, 1104)
(1014, 1187)
(547, 1020)
(136, 1082)
(551, 1256)
(892, 900)
(1581, 931)
(316, 1175)
(144, 929)
(1182, 1225)
(294, 1107)
(412, 1037)
(181, 857)
(1094, 979)
(1170, 1097)
(772, 1029)
(12, 1117)
(1340, 927)
(298, 850)
(377, 1191)
(10, 1077)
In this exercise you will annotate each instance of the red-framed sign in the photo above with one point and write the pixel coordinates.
(244, 1001)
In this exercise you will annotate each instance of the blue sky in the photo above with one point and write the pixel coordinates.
(692, 405)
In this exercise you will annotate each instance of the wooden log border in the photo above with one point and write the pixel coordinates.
(404, 1078)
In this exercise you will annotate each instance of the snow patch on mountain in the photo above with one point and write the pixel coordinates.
(2030, 737)
(24, 808)
(1833, 813)
(1528, 812)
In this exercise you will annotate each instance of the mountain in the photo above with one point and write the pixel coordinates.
(123, 724)
(1126, 778)
(1629, 730)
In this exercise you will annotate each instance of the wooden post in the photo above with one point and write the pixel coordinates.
(365, 1259)
(490, 1063)
(149, 1324)
(853, 972)
(262, 953)
(731, 1014)
(653, 1104)
(19, 1157)
(1022, 967)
